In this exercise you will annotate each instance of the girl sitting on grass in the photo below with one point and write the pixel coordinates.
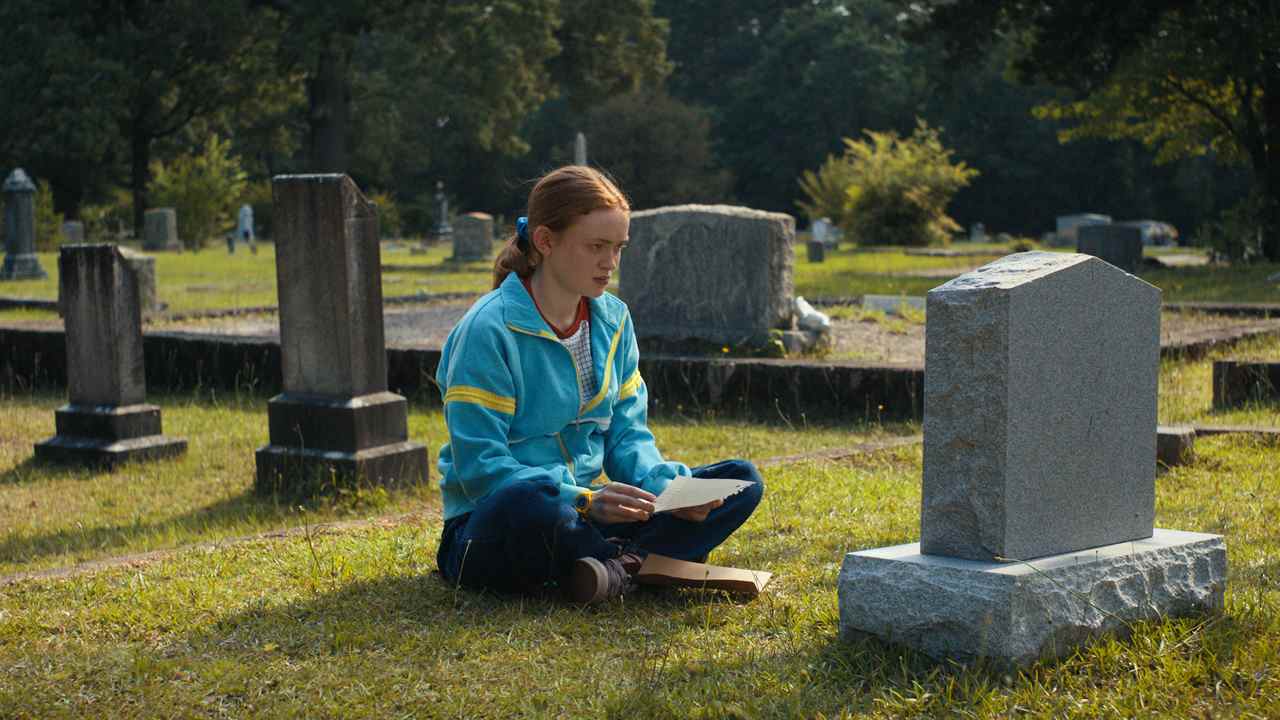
(550, 472)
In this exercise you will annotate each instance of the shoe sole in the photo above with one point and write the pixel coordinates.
(587, 581)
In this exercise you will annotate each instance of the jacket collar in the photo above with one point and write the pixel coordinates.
(520, 312)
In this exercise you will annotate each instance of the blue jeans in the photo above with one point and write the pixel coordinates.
(522, 537)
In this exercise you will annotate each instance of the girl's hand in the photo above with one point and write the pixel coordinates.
(619, 503)
(697, 513)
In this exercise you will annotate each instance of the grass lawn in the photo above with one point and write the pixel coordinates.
(849, 272)
(352, 623)
(214, 280)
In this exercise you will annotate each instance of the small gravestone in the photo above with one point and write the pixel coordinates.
(816, 251)
(160, 230)
(580, 149)
(823, 231)
(1119, 245)
(1236, 382)
(473, 237)
(1175, 445)
(73, 232)
(1038, 498)
(709, 272)
(107, 419)
(977, 233)
(20, 261)
(335, 425)
(1067, 226)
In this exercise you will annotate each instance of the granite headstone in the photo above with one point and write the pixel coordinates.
(1038, 500)
(709, 272)
(335, 424)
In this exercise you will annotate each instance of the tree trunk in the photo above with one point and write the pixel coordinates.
(329, 100)
(139, 174)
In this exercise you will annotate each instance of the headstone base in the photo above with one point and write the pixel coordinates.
(108, 454)
(299, 472)
(22, 267)
(108, 435)
(321, 443)
(1019, 612)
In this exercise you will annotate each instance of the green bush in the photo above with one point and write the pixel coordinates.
(48, 221)
(110, 220)
(887, 190)
(389, 222)
(1237, 235)
(204, 189)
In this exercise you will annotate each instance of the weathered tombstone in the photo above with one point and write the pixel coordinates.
(20, 261)
(160, 229)
(580, 149)
(73, 232)
(1236, 382)
(335, 424)
(473, 237)
(709, 272)
(977, 232)
(1038, 502)
(1117, 244)
(244, 228)
(1067, 226)
(1175, 444)
(106, 419)
(816, 251)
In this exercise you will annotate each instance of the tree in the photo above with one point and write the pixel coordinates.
(146, 69)
(785, 80)
(658, 148)
(1185, 77)
(204, 189)
(888, 190)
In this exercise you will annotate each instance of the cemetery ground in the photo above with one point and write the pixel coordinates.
(249, 606)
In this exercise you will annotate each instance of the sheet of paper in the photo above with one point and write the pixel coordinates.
(685, 491)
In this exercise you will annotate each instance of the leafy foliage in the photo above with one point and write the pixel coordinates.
(204, 190)
(1185, 77)
(658, 148)
(888, 190)
(48, 220)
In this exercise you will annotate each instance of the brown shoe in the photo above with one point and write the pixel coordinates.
(591, 580)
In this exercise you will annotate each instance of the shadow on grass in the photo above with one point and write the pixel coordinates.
(23, 471)
(246, 512)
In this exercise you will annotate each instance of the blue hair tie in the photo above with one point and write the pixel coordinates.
(522, 229)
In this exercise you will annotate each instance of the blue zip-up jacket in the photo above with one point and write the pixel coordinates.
(512, 405)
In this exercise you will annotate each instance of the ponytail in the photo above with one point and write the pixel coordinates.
(512, 259)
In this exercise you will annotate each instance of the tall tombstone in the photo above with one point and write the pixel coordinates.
(717, 273)
(20, 261)
(106, 420)
(335, 424)
(1120, 245)
(580, 149)
(1038, 499)
(160, 229)
(473, 237)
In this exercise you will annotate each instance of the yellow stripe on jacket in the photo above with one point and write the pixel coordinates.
(631, 386)
(497, 403)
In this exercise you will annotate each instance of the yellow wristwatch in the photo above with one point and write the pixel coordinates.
(583, 503)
